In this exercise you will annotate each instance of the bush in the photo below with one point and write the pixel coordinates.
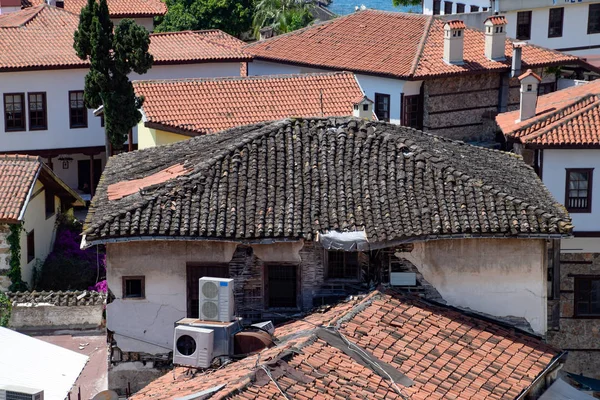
(69, 267)
(5, 310)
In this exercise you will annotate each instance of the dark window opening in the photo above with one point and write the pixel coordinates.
(382, 107)
(545, 88)
(37, 111)
(412, 111)
(281, 286)
(474, 8)
(30, 246)
(49, 203)
(342, 265)
(134, 287)
(77, 110)
(555, 22)
(524, 25)
(437, 5)
(579, 190)
(447, 7)
(365, 107)
(587, 296)
(84, 172)
(484, 8)
(460, 8)
(14, 112)
(194, 273)
(594, 19)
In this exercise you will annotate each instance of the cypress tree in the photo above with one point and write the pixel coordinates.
(113, 54)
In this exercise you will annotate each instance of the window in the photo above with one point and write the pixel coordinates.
(342, 265)
(524, 25)
(281, 286)
(555, 22)
(30, 246)
(382, 106)
(134, 287)
(579, 190)
(365, 107)
(37, 111)
(460, 8)
(14, 112)
(545, 88)
(587, 296)
(412, 111)
(594, 19)
(436, 7)
(77, 110)
(484, 8)
(194, 273)
(474, 8)
(49, 201)
(447, 7)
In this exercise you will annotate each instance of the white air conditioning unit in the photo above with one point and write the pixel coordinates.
(216, 299)
(192, 346)
(403, 279)
(11, 392)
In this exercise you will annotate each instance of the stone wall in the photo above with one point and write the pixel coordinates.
(580, 337)
(4, 258)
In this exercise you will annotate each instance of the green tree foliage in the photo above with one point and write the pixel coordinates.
(5, 310)
(281, 15)
(233, 17)
(398, 3)
(113, 54)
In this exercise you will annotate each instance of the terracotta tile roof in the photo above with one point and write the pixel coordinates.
(568, 117)
(290, 179)
(198, 106)
(18, 174)
(42, 38)
(530, 73)
(116, 8)
(370, 42)
(446, 354)
(496, 20)
(456, 24)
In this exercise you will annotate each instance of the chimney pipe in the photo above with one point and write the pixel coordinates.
(516, 59)
(495, 38)
(529, 93)
(454, 42)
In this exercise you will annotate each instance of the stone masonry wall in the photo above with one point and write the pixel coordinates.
(580, 337)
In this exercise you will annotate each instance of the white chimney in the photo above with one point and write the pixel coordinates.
(495, 38)
(454, 32)
(529, 92)
(363, 108)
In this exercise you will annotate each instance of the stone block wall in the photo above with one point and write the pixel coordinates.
(580, 337)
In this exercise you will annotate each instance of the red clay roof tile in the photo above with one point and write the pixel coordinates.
(17, 176)
(46, 34)
(370, 42)
(456, 24)
(331, 374)
(496, 20)
(199, 106)
(529, 72)
(116, 8)
(568, 117)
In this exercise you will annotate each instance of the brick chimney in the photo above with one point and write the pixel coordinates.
(495, 38)
(454, 32)
(363, 108)
(529, 93)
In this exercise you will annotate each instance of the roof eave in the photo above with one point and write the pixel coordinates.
(173, 129)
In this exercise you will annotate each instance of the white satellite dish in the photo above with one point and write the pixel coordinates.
(106, 395)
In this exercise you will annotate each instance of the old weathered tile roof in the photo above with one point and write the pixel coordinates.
(568, 117)
(41, 37)
(198, 106)
(298, 177)
(116, 8)
(18, 174)
(447, 355)
(407, 46)
(58, 298)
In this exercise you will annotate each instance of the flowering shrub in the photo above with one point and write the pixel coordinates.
(99, 287)
(68, 267)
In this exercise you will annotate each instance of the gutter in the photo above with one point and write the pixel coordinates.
(545, 372)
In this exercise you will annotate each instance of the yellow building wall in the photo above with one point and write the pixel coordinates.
(43, 230)
(148, 137)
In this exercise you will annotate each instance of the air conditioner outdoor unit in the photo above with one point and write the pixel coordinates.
(216, 299)
(193, 347)
(11, 392)
(267, 326)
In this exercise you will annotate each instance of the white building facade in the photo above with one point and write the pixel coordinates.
(442, 7)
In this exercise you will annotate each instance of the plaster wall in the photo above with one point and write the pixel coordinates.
(500, 277)
(575, 22)
(148, 137)
(4, 257)
(43, 230)
(70, 175)
(554, 176)
(428, 5)
(27, 316)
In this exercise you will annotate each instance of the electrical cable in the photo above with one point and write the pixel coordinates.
(273, 380)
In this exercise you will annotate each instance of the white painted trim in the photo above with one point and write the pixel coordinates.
(37, 175)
